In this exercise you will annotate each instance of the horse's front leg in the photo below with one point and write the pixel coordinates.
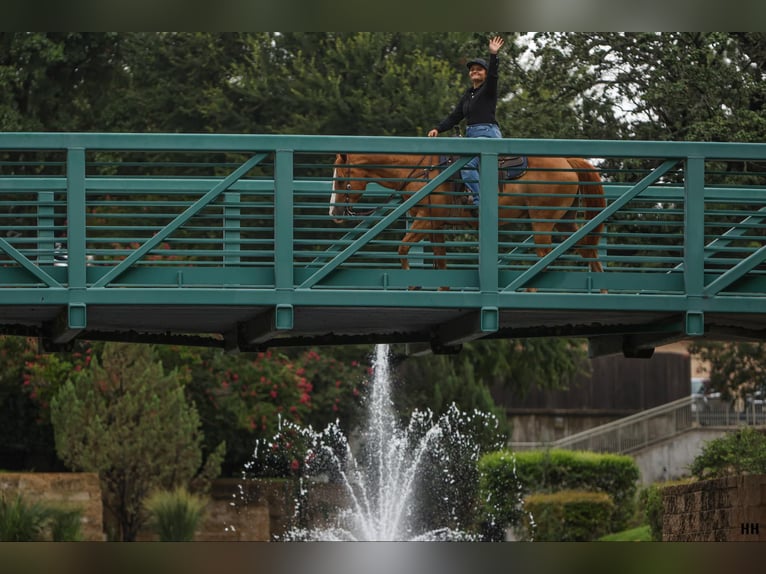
(409, 239)
(416, 233)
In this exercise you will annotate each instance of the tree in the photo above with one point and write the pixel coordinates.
(706, 86)
(735, 368)
(57, 81)
(465, 379)
(357, 83)
(128, 419)
(181, 82)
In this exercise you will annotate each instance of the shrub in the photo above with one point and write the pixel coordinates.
(650, 499)
(506, 476)
(743, 451)
(568, 515)
(501, 488)
(175, 515)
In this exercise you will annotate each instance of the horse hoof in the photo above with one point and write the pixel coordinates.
(414, 288)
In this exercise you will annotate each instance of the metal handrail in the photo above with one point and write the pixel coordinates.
(660, 423)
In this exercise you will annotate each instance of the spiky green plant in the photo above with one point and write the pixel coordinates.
(176, 514)
(22, 521)
(66, 525)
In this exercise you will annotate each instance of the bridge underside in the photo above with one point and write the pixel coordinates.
(257, 327)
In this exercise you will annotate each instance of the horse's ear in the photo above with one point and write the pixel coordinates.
(340, 158)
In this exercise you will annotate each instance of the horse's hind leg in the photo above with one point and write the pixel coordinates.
(588, 253)
(440, 254)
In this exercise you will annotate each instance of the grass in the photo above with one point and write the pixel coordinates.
(638, 534)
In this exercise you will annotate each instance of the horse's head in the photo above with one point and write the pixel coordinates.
(346, 188)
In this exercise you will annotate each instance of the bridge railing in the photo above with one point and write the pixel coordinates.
(684, 224)
(261, 202)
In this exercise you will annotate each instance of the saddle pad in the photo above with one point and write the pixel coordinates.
(512, 167)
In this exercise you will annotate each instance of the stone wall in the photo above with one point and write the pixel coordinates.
(254, 511)
(261, 510)
(68, 490)
(720, 510)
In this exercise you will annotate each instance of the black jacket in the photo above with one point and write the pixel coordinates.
(477, 105)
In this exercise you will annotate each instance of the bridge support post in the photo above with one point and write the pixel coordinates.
(263, 327)
(469, 327)
(695, 323)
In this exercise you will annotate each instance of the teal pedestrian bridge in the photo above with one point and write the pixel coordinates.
(226, 241)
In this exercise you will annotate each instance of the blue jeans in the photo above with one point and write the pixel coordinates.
(470, 173)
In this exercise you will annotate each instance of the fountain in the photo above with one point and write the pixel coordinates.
(393, 469)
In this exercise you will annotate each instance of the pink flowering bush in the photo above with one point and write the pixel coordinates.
(241, 398)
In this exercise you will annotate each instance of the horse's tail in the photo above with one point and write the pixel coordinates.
(592, 192)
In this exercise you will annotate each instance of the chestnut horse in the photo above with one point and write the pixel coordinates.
(549, 193)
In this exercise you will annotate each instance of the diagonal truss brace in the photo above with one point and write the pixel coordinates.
(590, 225)
(179, 221)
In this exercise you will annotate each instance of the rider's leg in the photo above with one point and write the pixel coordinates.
(470, 173)
(470, 176)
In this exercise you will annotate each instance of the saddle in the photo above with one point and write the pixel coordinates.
(509, 167)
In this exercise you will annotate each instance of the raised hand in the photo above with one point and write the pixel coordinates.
(495, 44)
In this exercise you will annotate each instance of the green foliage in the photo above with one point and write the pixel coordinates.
(637, 534)
(501, 488)
(56, 81)
(175, 515)
(130, 422)
(568, 515)
(521, 364)
(735, 369)
(23, 521)
(25, 430)
(507, 476)
(66, 525)
(448, 480)
(437, 381)
(740, 452)
(666, 86)
(245, 398)
(650, 500)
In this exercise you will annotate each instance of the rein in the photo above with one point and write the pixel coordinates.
(350, 211)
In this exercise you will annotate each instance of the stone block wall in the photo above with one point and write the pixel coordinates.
(264, 509)
(68, 490)
(253, 511)
(731, 509)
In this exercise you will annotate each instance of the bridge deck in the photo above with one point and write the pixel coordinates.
(226, 241)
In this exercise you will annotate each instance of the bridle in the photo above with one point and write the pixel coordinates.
(348, 208)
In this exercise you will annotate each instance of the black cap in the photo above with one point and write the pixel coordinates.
(480, 61)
